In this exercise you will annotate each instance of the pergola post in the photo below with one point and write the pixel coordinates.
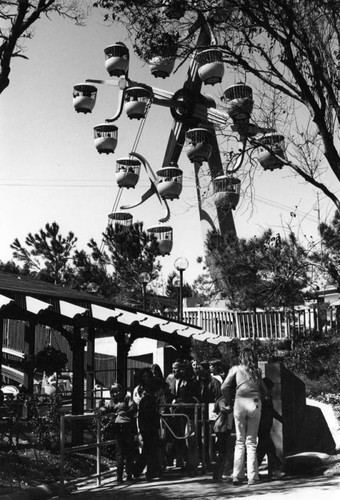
(90, 367)
(1, 343)
(77, 346)
(123, 348)
(29, 350)
(185, 349)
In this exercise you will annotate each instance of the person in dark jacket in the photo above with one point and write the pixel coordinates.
(183, 389)
(210, 387)
(210, 392)
(149, 426)
(125, 410)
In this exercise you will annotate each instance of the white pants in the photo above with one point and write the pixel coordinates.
(247, 414)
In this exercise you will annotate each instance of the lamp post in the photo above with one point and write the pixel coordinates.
(176, 284)
(144, 279)
(181, 264)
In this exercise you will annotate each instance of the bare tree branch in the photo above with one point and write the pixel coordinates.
(18, 18)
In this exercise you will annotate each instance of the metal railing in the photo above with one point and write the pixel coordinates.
(98, 444)
(195, 427)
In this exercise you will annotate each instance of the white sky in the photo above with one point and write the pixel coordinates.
(51, 171)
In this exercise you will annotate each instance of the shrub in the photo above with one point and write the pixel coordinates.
(315, 359)
(44, 418)
(204, 351)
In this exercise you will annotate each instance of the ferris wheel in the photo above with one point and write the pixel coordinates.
(195, 122)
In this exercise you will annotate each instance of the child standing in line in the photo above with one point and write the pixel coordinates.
(224, 441)
(125, 410)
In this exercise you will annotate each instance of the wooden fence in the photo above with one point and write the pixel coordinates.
(264, 325)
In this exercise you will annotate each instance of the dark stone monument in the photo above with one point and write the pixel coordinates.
(303, 427)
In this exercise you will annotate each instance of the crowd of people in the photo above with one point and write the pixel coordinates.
(155, 425)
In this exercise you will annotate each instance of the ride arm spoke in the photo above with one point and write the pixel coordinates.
(210, 115)
(152, 190)
(121, 83)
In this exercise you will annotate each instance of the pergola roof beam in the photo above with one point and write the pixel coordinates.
(34, 305)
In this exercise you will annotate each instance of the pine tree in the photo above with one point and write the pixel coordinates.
(258, 272)
(127, 252)
(47, 254)
(111, 269)
(329, 258)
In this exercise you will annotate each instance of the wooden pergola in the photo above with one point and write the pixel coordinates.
(80, 318)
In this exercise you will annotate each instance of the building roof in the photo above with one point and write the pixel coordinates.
(13, 284)
(28, 299)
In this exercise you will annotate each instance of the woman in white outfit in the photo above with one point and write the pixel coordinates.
(247, 413)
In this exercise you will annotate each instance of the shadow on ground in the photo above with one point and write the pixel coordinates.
(204, 488)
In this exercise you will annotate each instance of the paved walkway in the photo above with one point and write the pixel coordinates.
(175, 487)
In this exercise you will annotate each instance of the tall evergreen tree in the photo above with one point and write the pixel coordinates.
(111, 269)
(11, 267)
(126, 252)
(172, 284)
(47, 254)
(329, 257)
(259, 272)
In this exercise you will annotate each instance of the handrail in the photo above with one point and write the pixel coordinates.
(98, 445)
(169, 428)
(199, 417)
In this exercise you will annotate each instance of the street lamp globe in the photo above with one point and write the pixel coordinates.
(181, 264)
(144, 278)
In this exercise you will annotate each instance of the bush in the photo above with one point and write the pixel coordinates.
(204, 351)
(36, 416)
(315, 359)
(44, 417)
(29, 467)
(283, 345)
